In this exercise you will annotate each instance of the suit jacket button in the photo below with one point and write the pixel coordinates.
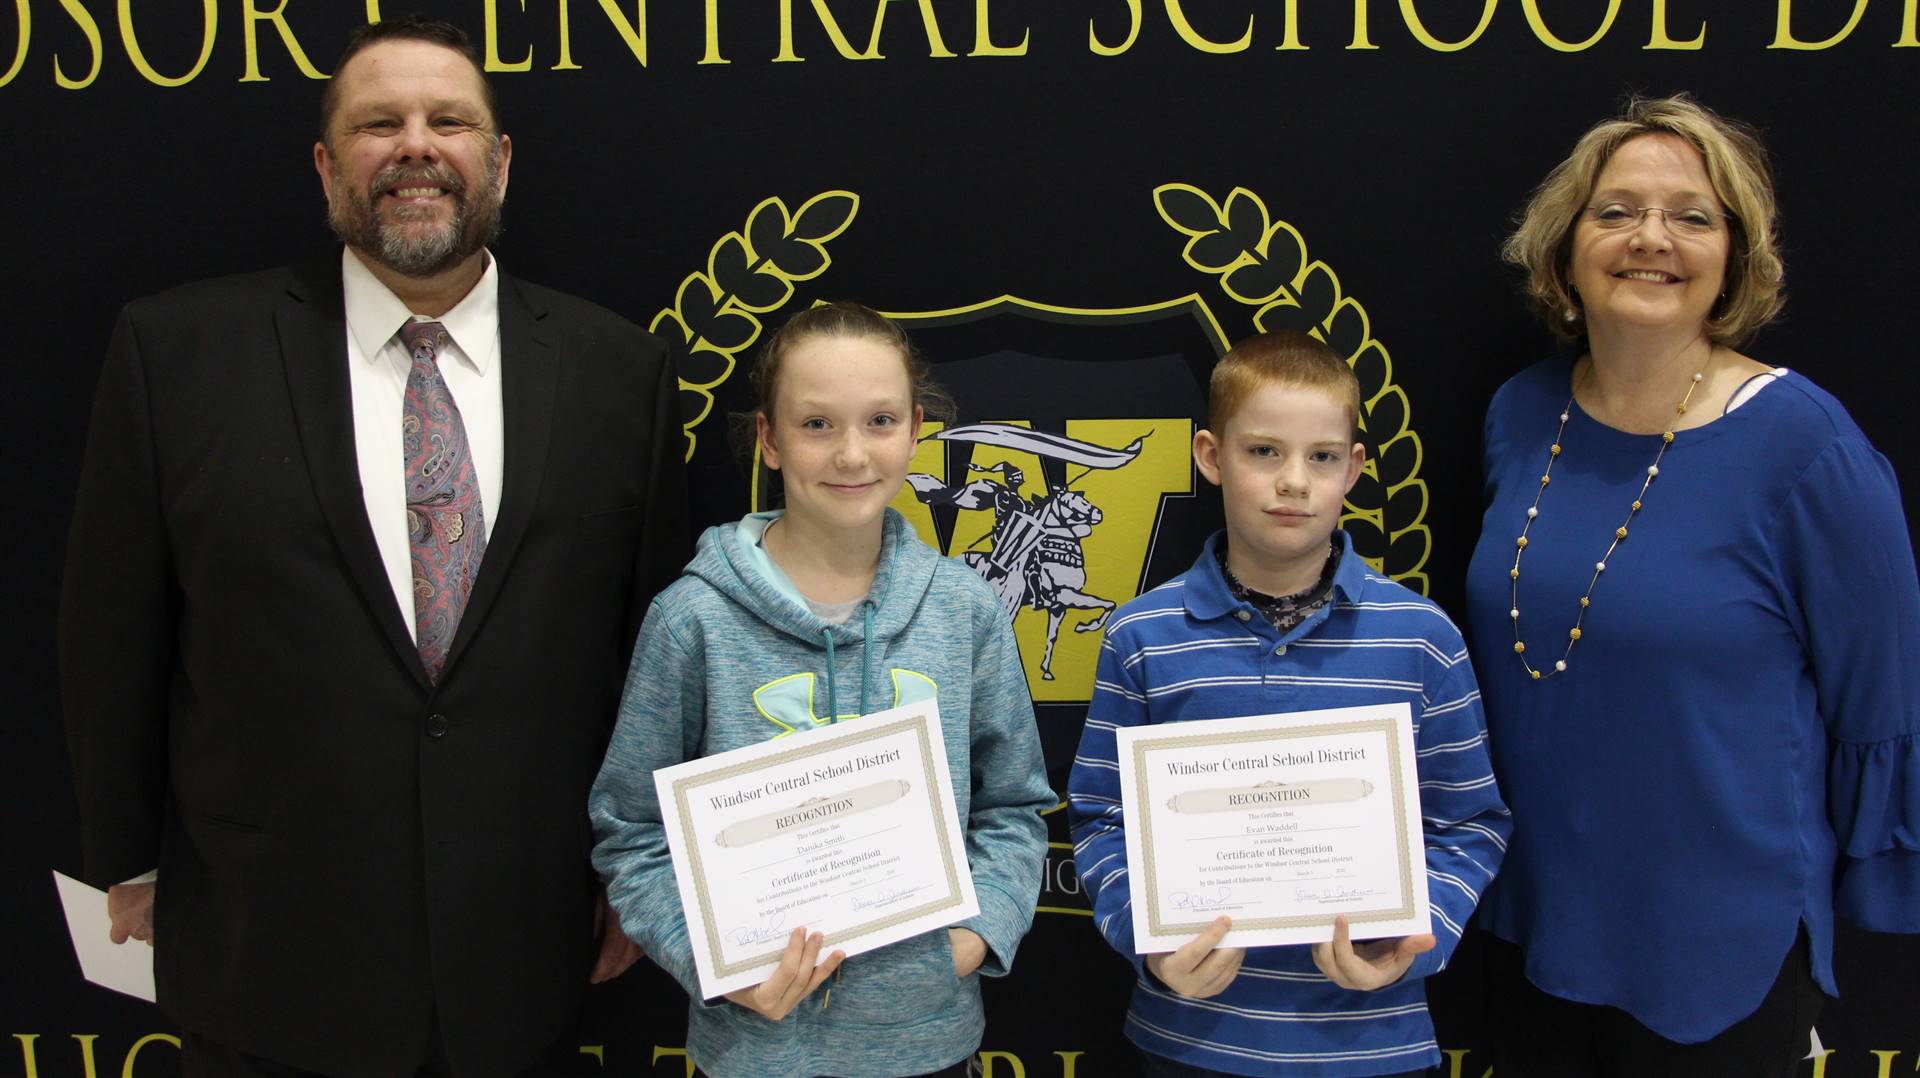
(436, 725)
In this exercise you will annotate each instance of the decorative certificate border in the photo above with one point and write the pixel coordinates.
(1159, 926)
(806, 747)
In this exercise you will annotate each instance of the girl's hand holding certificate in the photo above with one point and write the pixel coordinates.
(793, 980)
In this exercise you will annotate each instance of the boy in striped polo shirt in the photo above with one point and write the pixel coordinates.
(1278, 614)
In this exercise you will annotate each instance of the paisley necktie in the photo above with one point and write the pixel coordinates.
(446, 524)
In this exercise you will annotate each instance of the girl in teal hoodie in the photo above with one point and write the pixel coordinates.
(836, 603)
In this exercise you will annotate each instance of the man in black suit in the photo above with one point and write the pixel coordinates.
(358, 556)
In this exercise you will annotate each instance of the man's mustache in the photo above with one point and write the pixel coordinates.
(398, 176)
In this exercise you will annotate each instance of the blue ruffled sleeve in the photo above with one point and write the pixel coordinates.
(1856, 602)
(1874, 800)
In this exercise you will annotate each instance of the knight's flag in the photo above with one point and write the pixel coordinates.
(1041, 443)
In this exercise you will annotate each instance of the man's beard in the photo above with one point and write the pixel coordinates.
(388, 238)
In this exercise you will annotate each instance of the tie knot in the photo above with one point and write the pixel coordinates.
(423, 339)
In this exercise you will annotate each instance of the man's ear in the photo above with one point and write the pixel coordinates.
(323, 164)
(1356, 461)
(1206, 455)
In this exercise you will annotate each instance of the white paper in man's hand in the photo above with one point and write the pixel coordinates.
(124, 967)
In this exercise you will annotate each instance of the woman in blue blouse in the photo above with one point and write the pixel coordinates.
(1695, 618)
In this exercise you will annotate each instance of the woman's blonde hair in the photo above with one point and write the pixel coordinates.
(1742, 179)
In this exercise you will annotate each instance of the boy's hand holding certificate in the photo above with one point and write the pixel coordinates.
(1281, 822)
(847, 831)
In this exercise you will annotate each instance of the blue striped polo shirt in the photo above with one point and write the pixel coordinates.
(1189, 650)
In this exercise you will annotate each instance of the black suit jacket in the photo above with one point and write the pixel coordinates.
(345, 850)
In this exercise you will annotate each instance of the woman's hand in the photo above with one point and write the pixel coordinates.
(1373, 964)
(1201, 967)
(969, 950)
(793, 980)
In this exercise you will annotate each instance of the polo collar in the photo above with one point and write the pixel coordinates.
(1206, 591)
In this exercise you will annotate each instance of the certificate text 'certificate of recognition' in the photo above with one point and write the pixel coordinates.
(848, 831)
(1280, 822)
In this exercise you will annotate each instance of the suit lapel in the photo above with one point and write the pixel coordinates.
(311, 322)
(530, 373)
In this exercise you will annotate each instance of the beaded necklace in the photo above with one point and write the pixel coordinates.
(1619, 534)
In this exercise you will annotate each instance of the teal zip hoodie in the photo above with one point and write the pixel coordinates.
(725, 659)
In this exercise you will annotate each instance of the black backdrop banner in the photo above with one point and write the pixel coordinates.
(1073, 204)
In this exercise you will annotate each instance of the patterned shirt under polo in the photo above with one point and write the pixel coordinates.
(1284, 611)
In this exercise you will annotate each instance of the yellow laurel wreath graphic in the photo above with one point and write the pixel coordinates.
(749, 272)
(1263, 263)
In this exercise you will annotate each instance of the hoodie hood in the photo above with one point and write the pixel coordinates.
(905, 572)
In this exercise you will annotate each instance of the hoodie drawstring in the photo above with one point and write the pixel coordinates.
(866, 635)
(833, 700)
(833, 687)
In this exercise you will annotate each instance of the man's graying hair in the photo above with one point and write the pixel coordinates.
(407, 28)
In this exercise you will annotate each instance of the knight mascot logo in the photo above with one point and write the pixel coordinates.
(1054, 492)
(1037, 558)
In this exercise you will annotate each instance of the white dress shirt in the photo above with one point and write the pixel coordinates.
(378, 364)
